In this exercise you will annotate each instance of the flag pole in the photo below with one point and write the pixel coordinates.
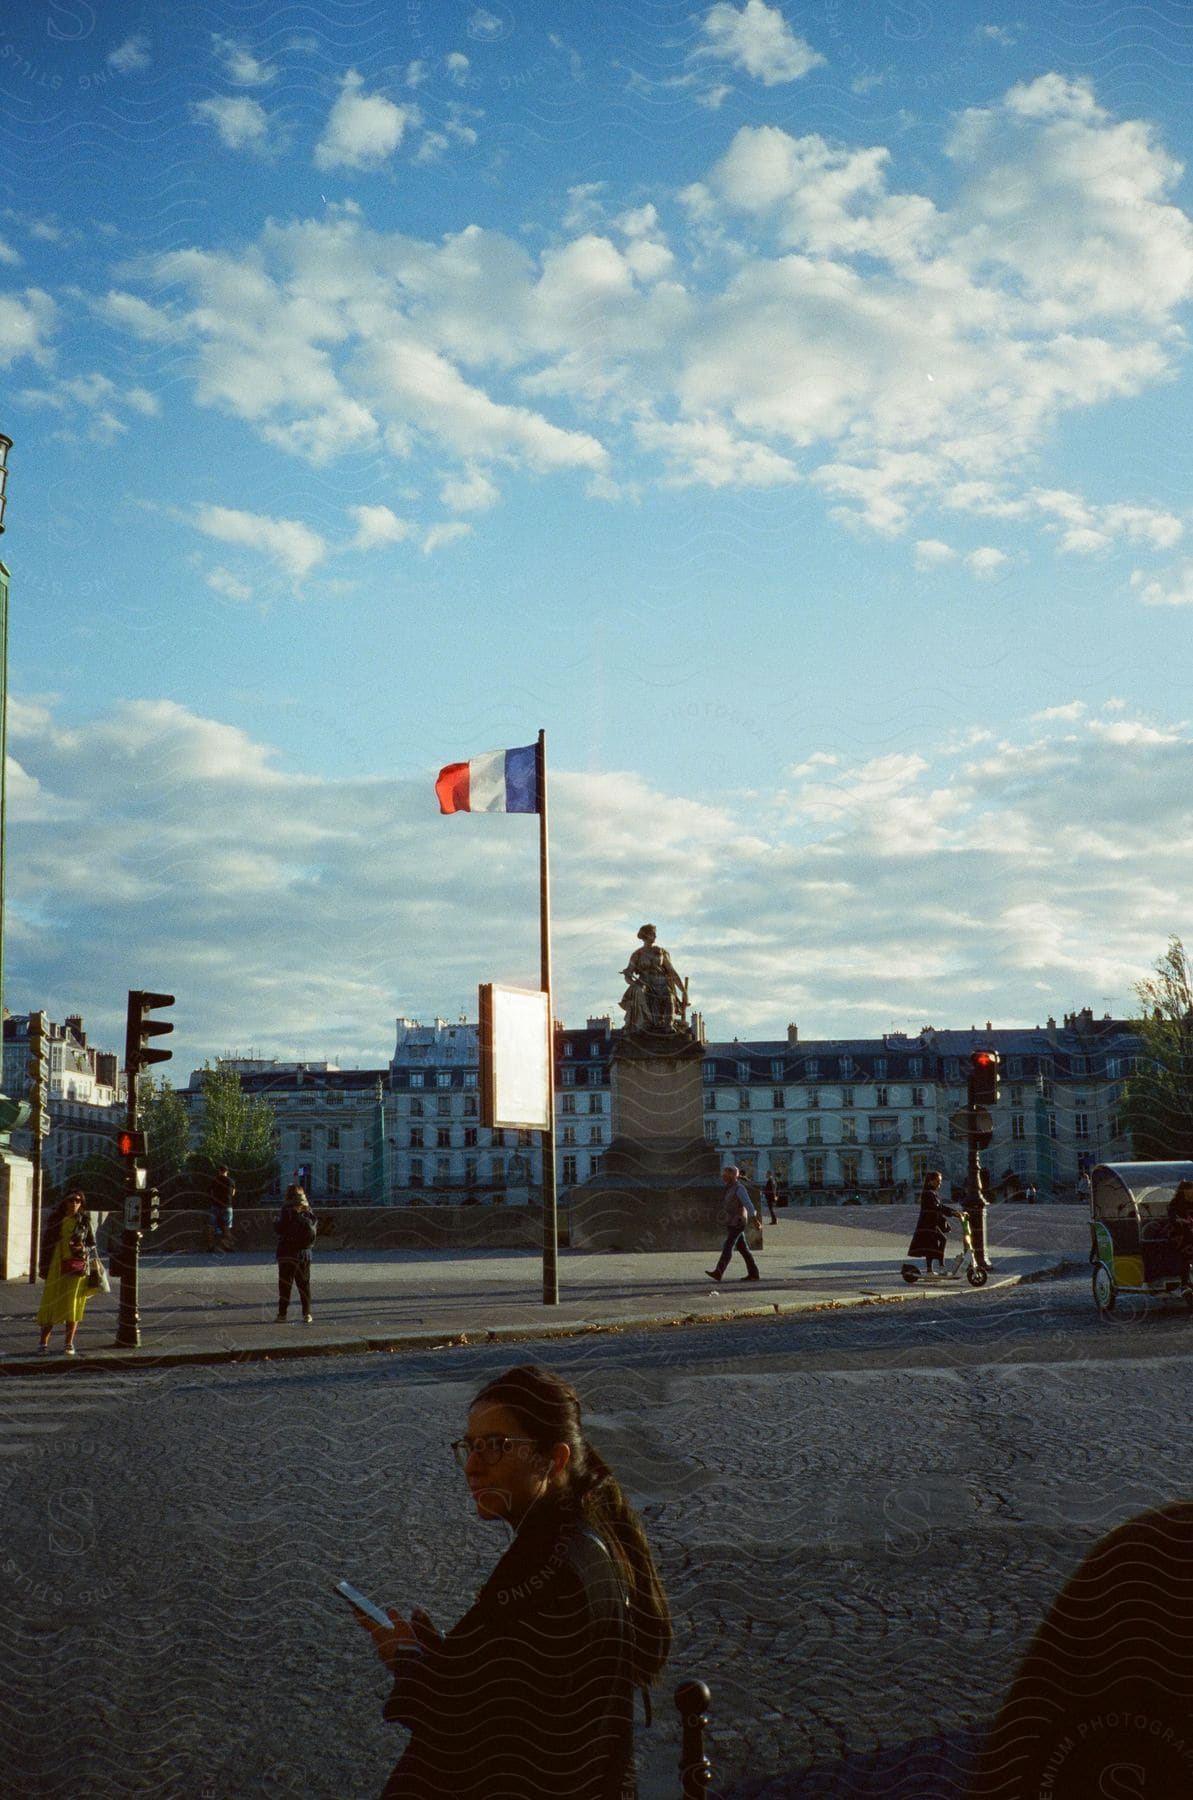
(550, 1196)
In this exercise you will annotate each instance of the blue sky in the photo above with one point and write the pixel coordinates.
(786, 408)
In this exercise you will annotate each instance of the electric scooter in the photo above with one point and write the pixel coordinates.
(965, 1260)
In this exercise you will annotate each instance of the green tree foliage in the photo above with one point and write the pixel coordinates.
(239, 1131)
(168, 1129)
(1158, 1098)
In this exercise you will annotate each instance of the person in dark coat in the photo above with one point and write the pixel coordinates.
(932, 1226)
(1180, 1227)
(531, 1695)
(296, 1231)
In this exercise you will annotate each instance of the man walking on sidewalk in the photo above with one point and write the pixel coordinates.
(771, 1191)
(737, 1212)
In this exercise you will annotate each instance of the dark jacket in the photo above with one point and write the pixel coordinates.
(530, 1696)
(296, 1231)
(932, 1226)
(49, 1237)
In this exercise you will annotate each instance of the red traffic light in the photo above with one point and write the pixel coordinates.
(984, 1067)
(131, 1143)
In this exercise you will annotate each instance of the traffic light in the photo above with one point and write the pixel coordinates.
(984, 1066)
(39, 1074)
(132, 1146)
(137, 1051)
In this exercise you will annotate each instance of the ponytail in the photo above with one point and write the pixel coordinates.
(604, 1507)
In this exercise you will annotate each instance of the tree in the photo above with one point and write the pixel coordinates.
(238, 1131)
(168, 1130)
(1158, 1098)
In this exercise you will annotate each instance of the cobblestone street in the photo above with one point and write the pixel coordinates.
(860, 1517)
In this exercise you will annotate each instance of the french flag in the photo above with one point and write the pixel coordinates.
(499, 781)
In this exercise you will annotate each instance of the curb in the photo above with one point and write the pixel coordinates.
(146, 1359)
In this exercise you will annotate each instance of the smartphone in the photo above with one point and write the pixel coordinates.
(356, 1599)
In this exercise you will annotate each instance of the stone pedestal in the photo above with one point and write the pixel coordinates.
(16, 1215)
(658, 1186)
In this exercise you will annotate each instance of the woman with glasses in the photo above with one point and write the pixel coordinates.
(531, 1694)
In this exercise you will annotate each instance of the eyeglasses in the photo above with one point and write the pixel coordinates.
(490, 1449)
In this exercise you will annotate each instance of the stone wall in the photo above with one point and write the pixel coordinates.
(368, 1228)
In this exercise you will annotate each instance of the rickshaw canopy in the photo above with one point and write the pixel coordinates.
(1135, 1190)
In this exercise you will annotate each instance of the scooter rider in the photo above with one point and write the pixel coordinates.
(931, 1228)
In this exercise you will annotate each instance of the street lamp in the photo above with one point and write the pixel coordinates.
(5, 447)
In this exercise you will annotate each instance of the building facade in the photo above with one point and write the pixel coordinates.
(830, 1117)
(86, 1093)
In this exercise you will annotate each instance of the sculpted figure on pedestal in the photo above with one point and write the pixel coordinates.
(656, 999)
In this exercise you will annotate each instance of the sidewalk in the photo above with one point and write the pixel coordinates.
(205, 1309)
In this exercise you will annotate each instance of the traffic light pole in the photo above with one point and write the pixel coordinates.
(128, 1323)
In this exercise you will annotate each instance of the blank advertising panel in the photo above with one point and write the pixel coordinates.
(515, 1046)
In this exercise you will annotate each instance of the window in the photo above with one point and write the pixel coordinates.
(710, 1131)
(880, 1068)
(1081, 1125)
(443, 1078)
(569, 1049)
(1018, 1127)
(594, 1134)
(776, 1068)
(470, 1171)
(845, 1066)
(743, 1071)
(443, 1171)
(779, 1132)
(846, 1096)
(919, 1129)
(333, 1137)
(915, 1067)
(745, 1131)
(470, 1137)
(304, 1138)
(333, 1178)
(917, 1096)
(569, 1077)
(497, 1171)
(334, 1097)
(443, 1138)
(569, 1134)
(886, 1170)
(709, 1071)
(849, 1169)
(778, 1099)
(1016, 1096)
(596, 1103)
(568, 1103)
(1077, 1065)
(417, 1078)
(569, 1171)
(815, 1169)
(470, 1078)
(811, 1068)
(470, 1106)
(416, 1137)
(849, 1131)
(498, 1138)
(416, 1171)
(813, 1097)
(416, 1109)
(443, 1106)
(1014, 1067)
(594, 1049)
(524, 1140)
(593, 1076)
(743, 1099)
(710, 1103)
(812, 1127)
(880, 1097)
(919, 1168)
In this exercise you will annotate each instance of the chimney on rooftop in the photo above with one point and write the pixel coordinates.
(793, 1034)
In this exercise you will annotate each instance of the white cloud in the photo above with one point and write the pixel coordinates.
(458, 67)
(97, 396)
(758, 39)
(362, 129)
(931, 552)
(293, 546)
(1018, 878)
(441, 535)
(242, 124)
(240, 65)
(986, 561)
(486, 26)
(707, 452)
(377, 525)
(130, 57)
(471, 491)
(8, 255)
(1175, 588)
(222, 581)
(26, 321)
(1069, 709)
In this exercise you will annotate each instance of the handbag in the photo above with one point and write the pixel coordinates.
(75, 1259)
(97, 1280)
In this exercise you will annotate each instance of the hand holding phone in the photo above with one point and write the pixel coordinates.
(364, 1606)
(389, 1634)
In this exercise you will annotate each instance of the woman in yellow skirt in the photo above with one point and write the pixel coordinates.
(68, 1239)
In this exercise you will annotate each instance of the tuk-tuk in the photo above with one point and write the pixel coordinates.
(1131, 1249)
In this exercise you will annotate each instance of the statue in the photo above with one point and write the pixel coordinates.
(655, 999)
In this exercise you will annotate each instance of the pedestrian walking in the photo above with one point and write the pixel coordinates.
(1085, 1188)
(932, 1226)
(297, 1231)
(771, 1191)
(737, 1211)
(1180, 1228)
(532, 1692)
(67, 1246)
(219, 1222)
